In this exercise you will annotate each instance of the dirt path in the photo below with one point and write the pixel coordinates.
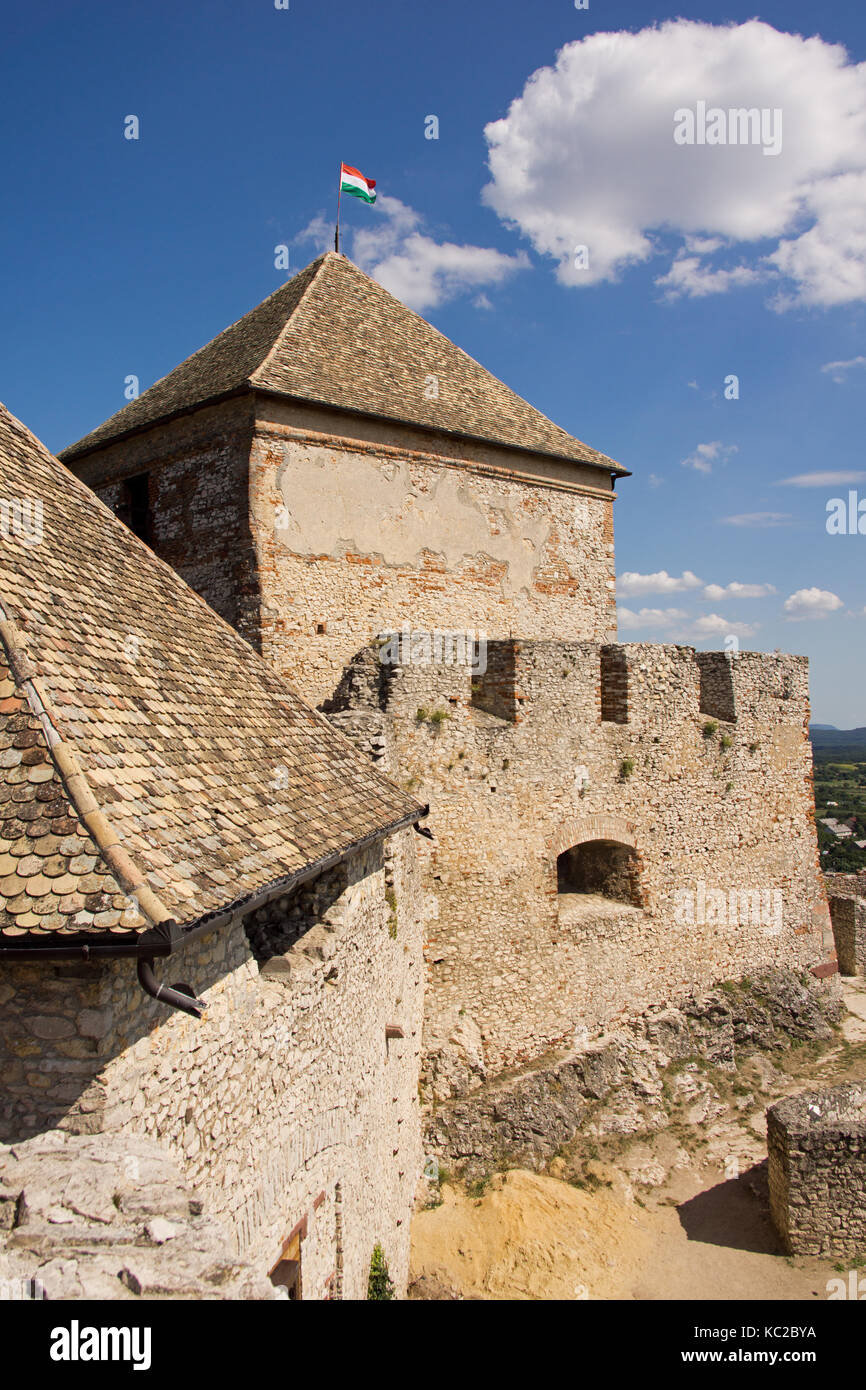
(666, 1220)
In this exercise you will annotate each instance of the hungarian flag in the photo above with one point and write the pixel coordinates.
(353, 181)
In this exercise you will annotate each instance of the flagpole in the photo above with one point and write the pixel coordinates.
(339, 196)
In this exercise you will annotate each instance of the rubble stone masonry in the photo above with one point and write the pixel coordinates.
(817, 1171)
(712, 817)
(697, 765)
(847, 897)
(358, 532)
(287, 1107)
(196, 475)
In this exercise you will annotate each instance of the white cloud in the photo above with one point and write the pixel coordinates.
(758, 519)
(631, 583)
(424, 273)
(630, 621)
(319, 232)
(715, 592)
(688, 276)
(586, 156)
(811, 603)
(828, 478)
(395, 250)
(714, 625)
(706, 455)
(678, 625)
(840, 370)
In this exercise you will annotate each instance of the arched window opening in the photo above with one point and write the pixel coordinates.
(603, 867)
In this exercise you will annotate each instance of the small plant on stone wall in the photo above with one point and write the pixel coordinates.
(391, 900)
(726, 741)
(435, 717)
(709, 728)
(379, 1284)
(626, 768)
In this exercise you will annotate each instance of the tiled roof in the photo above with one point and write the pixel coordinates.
(335, 337)
(181, 766)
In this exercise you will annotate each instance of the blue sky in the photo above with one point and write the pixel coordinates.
(121, 257)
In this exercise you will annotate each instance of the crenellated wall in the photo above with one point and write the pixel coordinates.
(698, 764)
(519, 766)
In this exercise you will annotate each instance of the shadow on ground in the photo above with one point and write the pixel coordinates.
(735, 1213)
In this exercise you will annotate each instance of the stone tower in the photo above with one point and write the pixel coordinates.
(331, 466)
(614, 826)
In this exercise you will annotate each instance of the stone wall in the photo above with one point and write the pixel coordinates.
(110, 1217)
(634, 1079)
(312, 531)
(817, 1147)
(847, 897)
(198, 470)
(286, 1106)
(718, 815)
(356, 534)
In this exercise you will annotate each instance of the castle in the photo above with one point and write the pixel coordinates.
(610, 825)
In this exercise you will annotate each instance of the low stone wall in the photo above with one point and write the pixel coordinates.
(846, 894)
(98, 1217)
(618, 1084)
(817, 1147)
(286, 1106)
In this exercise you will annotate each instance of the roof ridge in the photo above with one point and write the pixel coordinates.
(334, 337)
(251, 379)
(129, 410)
(123, 869)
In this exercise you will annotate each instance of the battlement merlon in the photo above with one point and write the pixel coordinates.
(643, 685)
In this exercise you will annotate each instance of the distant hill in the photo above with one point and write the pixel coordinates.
(839, 745)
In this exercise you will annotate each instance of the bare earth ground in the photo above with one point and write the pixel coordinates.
(680, 1214)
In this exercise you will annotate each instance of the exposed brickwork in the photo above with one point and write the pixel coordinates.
(354, 539)
(614, 685)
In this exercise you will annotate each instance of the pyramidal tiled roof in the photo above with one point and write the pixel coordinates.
(335, 337)
(152, 766)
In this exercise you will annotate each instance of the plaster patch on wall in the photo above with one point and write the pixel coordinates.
(379, 510)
